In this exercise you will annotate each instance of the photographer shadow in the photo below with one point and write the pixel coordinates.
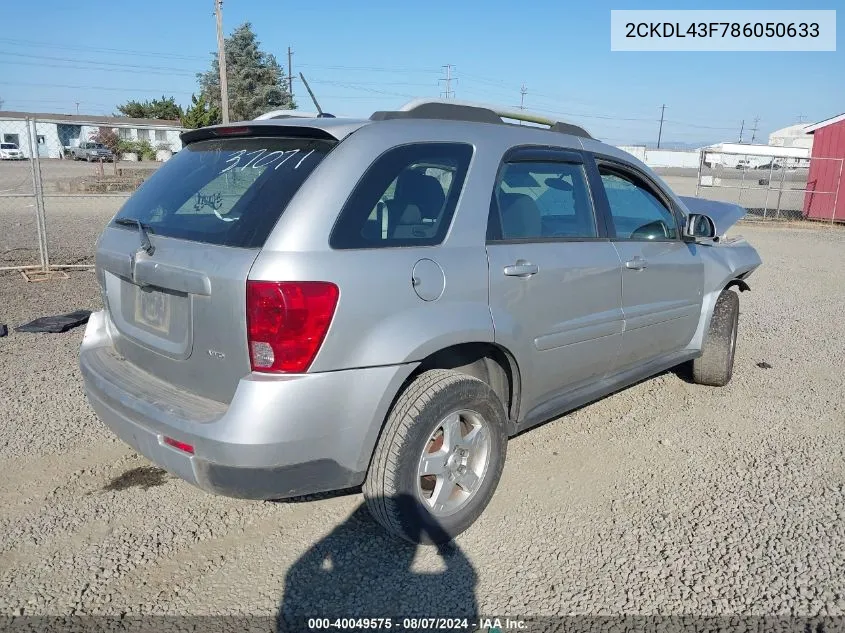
(360, 571)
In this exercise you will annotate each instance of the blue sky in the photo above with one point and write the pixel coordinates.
(361, 57)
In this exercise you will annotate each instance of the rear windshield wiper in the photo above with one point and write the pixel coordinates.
(142, 232)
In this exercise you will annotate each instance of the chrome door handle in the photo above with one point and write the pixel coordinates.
(521, 268)
(638, 263)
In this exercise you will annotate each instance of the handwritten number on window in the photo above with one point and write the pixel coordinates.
(260, 158)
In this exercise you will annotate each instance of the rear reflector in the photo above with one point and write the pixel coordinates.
(180, 445)
(287, 322)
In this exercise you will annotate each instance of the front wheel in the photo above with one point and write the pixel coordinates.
(439, 459)
(715, 365)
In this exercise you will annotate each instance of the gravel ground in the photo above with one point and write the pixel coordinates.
(666, 498)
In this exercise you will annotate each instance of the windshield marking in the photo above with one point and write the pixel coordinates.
(303, 158)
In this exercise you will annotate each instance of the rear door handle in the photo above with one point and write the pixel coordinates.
(521, 268)
(638, 263)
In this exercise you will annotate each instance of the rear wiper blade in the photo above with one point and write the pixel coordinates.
(142, 232)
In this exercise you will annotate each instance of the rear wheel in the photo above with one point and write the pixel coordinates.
(439, 459)
(715, 365)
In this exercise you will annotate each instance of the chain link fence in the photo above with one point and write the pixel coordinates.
(55, 199)
(772, 188)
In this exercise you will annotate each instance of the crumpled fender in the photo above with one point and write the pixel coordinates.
(726, 264)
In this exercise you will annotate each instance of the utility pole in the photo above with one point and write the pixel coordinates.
(448, 79)
(754, 129)
(221, 62)
(522, 92)
(77, 106)
(801, 118)
(660, 131)
(290, 74)
(741, 130)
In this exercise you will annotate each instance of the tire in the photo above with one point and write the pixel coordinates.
(394, 489)
(715, 365)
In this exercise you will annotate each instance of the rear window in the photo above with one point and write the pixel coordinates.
(406, 198)
(228, 192)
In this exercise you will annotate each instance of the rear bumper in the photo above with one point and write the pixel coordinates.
(281, 436)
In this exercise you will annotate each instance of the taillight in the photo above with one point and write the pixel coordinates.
(287, 322)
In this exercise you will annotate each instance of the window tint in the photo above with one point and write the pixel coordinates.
(637, 213)
(229, 192)
(542, 200)
(406, 198)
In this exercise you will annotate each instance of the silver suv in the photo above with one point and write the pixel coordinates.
(297, 305)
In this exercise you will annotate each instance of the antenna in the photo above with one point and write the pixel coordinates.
(314, 99)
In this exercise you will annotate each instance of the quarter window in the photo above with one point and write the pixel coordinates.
(540, 200)
(406, 198)
(637, 213)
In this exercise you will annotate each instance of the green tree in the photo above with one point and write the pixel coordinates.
(256, 82)
(165, 108)
(201, 113)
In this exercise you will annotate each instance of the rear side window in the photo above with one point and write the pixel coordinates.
(406, 198)
(227, 192)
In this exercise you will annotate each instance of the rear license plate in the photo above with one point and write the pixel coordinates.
(152, 308)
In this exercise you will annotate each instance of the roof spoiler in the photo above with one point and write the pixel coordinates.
(293, 114)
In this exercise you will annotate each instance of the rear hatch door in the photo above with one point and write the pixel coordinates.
(174, 261)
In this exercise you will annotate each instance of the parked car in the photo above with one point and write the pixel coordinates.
(10, 151)
(302, 305)
(91, 152)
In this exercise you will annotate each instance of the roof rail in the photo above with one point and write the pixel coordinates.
(449, 109)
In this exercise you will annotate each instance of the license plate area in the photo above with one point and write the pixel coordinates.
(153, 309)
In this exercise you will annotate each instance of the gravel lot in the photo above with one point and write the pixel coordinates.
(666, 498)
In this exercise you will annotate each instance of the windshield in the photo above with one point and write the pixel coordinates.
(229, 192)
(8, 146)
(97, 146)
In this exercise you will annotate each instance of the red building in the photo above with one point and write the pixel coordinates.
(825, 195)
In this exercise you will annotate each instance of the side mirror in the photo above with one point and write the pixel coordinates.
(699, 226)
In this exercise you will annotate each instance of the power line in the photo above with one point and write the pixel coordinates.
(169, 69)
(95, 49)
(106, 88)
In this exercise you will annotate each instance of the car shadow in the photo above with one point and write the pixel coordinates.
(360, 571)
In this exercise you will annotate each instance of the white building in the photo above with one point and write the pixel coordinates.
(53, 133)
(792, 136)
(664, 157)
(730, 154)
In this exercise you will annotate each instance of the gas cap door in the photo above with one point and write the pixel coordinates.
(428, 280)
